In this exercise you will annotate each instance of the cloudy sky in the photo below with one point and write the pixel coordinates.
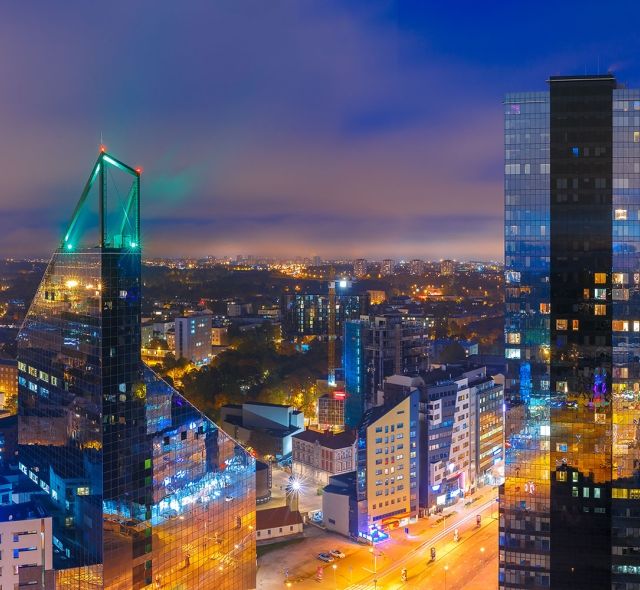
(284, 127)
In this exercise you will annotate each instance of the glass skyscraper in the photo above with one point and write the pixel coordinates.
(144, 490)
(571, 500)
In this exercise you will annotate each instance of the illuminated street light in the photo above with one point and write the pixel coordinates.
(446, 569)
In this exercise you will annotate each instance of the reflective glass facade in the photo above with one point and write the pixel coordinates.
(572, 241)
(144, 490)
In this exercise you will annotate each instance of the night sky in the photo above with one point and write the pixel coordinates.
(285, 128)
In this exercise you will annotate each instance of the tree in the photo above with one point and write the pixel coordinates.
(452, 353)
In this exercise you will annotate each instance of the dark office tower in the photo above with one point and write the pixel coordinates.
(143, 489)
(571, 498)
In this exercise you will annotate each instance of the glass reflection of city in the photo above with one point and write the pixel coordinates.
(144, 490)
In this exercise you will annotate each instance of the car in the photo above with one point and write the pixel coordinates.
(326, 557)
(337, 553)
(228, 498)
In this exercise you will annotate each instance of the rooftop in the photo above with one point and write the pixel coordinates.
(276, 517)
(328, 439)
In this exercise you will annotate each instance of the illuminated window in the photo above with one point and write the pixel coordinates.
(620, 214)
(600, 278)
(545, 308)
(599, 309)
(619, 493)
(636, 326)
(512, 353)
(561, 476)
(636, 137)
(596, 493)
(574, 476)
(620, 278)
(574, 491)
(562, 387)
(600, 293)
(620, 326)
(575, 324)
(634, 494)
(586, 293)
(562, 324)
(513, 338)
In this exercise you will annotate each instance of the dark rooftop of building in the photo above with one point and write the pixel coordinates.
(22, 511)
(276, 517)
(328, 439)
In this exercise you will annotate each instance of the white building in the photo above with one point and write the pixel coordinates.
(193, 338)
(26, 550)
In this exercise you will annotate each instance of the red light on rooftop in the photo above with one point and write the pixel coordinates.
(139, 170)
(103, 148)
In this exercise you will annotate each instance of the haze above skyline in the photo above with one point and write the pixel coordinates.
(336, 128)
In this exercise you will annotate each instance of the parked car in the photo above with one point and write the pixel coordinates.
(325, 557)
(337, 553)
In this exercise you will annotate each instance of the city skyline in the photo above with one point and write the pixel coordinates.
(357, 129)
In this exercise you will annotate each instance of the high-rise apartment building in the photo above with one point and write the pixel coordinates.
(387, 267)
(143, 490)
(416, 267)
(447, 267)
(572, 273)
(360, 268)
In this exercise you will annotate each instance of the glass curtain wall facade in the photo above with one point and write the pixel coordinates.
(144, 490)
(569, 505)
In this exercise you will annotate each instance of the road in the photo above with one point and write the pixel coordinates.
(356, 571)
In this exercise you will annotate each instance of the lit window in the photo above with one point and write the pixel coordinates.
(619, 493)
(561, 476)
(562, 387)
(620, 326)
(636, 137)
(599, 309)
(586, 293)
(600, 293)
(636, 326)
(562, 324)
(620, 278)
(513, 338)
(575, 324)
(600, 278)
(620, 215)
(545, 308)
(512, 353)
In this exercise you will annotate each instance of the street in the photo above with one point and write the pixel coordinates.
(471, 562)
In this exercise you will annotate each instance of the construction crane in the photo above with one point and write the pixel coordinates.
(331, 329)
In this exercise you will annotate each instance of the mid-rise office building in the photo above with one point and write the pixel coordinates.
(193, 338)
(375, 348)
(331, 410)
(572, 329)
(137, 479)
(26, 547)
(307, 313)
(460, 433)
(388, 469)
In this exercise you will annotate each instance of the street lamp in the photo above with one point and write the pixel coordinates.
(375, 559)
(335, 567)
(446, 568)
(482, 555)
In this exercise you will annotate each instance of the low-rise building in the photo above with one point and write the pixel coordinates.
(8, 381)
(319, 455)
(278, 524)
(268, 428)
(339, 504)
(26, 549)
(331, 410)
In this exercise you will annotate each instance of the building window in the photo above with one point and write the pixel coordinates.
(561, 476)
(599, 309)
(600, 278)
(562, 324)
(575, 324)
(545, 308)
(620, 214)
